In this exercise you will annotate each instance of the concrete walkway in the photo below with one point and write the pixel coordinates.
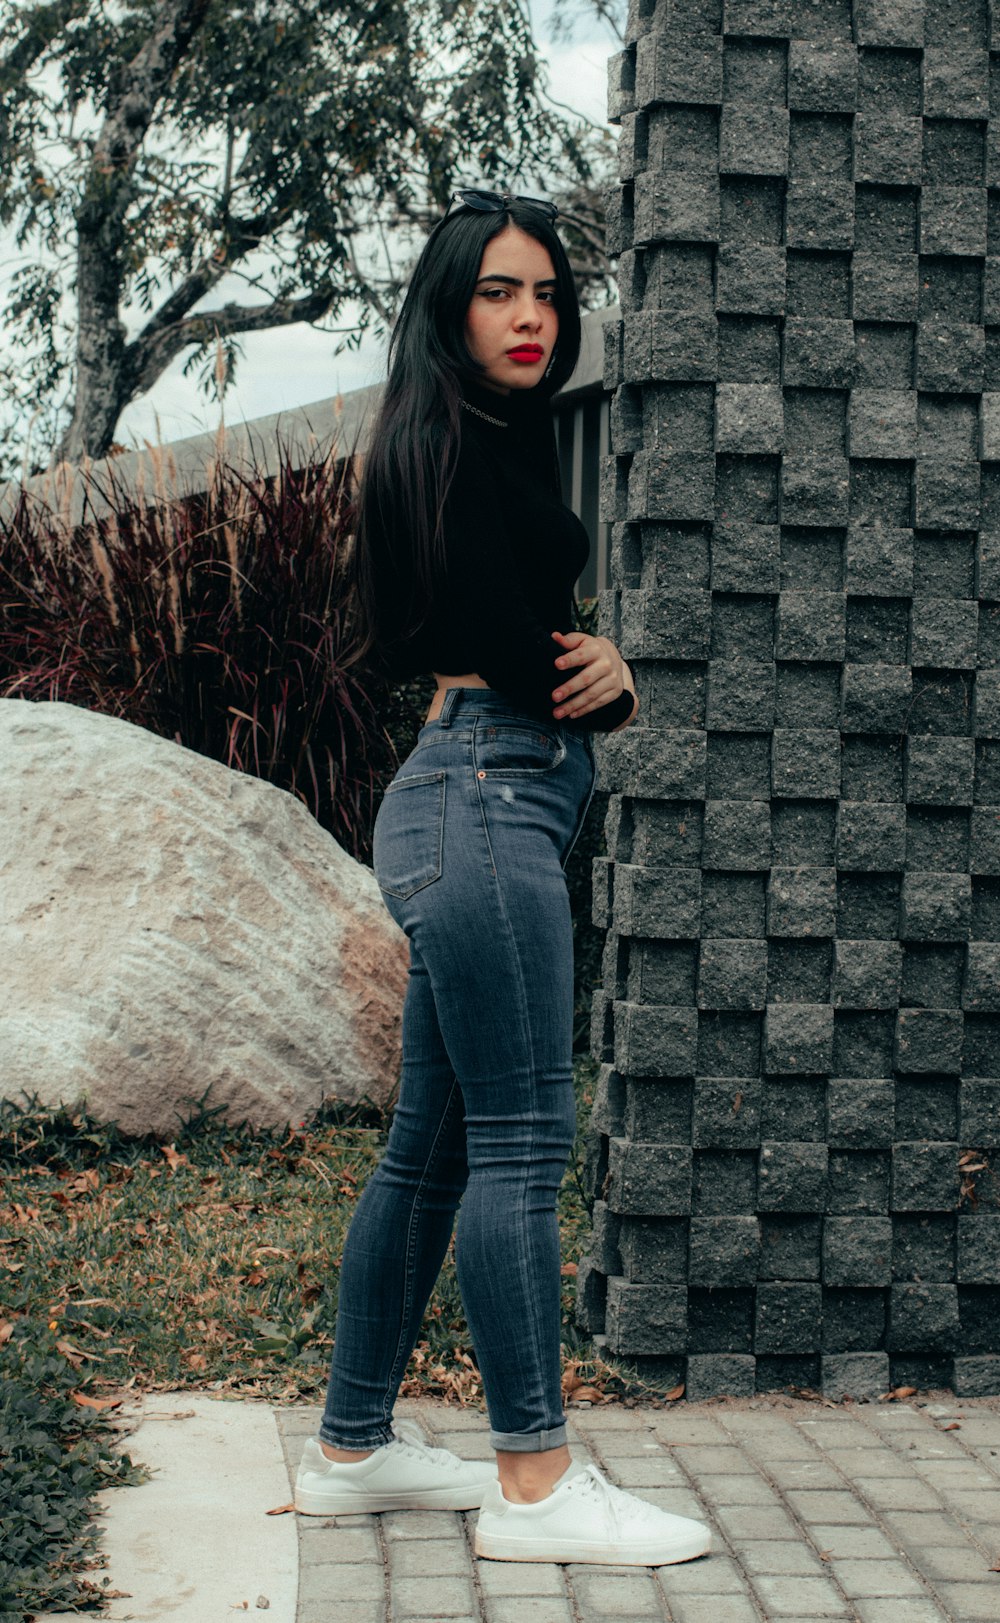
(869, 1513)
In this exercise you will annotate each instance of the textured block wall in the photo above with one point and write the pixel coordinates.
(798, 1115)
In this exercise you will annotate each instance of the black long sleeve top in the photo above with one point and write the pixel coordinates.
(513, 552)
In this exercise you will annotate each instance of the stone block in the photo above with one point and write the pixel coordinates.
(939, 771)
(789, 1316)
(981, 989)
(860, 1112)
(882, 423)
(889, 22)
(726, 1112)
(871, 836)
(888, 149)
(879, 561)
(946, 494)
(753, 139)
(935, 907)
(667, 487)
(978, 1249)
(681, 207)
(621, 84)
(646, 1319)
(719, 1375)
(986, 704)
(745, 558)
(737, 834)
(884, 287)
(750, 279)
(659, 623)
(740, 696)
(822, 77)
(857, 1251)
(854, 1375)
(802, 902)
(732, 975)
(648, 1180)
(655, 1040)
(673, 69)
(951, 356)
(876, 698)
(956, 82)
(811, 626)
(815, 490)
(723, 1251)
(805, 763)
(749, 418)
(798, 1038)
(977, 1376)
(979, 1112)
(818, 354)
(819, 213)
(953, 220)
(984, 840)
(929, 1040)
(866, 974)
(925, 1177)
(923, 1318)
(791, 1177)
(657, 902)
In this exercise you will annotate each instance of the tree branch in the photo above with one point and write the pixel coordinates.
(145, 79)
(153, 350)
(42, 26)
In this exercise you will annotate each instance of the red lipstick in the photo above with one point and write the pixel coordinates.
(526, 354)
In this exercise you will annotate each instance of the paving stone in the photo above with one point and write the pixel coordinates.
(840, 1434)
(958, 1563)
(337, 1611)
(755, 1522)
(897, 1493)
(354, 1583)
(737, 1490)
(863, 1578)
(520, 1578)
(973, 1603)
(710, 1609)
(714, 1575)
(652, 1472)
(779, 1557)
(852, 1543)
(429, 1558)
(324, 1543)
(899, 1611)
(976, 1507)
(524, 1609)
(828, 1507)
(433, 1597)
(717, 1461)
(867, 1462)
(679, 1501)
(618, 1594)
(814, 1473)
(803, 1597)
(422, 1524)
(468, 1445)
(918, 1530)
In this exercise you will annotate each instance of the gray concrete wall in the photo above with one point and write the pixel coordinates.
(797, 1124)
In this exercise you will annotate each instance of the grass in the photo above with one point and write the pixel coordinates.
(213, 1262)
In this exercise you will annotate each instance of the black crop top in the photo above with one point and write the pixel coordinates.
(513, 553)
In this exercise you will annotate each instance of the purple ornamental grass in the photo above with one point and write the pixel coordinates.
(219, 619)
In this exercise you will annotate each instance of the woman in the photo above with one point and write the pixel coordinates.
(465, 565)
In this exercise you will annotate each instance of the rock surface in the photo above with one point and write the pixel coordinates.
(172, 931)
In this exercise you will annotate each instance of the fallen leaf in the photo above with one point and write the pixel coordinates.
(6, 1330)
(568, 1269)
(954, 1426)
(737, 1104)
(674, 1393)
(87, 1402)
(587, 1394)
(897, 1392)
(280, 1510)
(172, 1156)
(825, 1555)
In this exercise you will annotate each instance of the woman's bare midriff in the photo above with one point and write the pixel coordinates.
(446, 682)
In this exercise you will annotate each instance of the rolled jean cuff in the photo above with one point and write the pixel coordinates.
(528, 1442)
(357, 1444)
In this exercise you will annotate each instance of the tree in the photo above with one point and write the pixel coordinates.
(151, 150)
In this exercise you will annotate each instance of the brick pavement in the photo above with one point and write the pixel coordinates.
(863, 1513)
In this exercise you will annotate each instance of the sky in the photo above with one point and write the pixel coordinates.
(292, 366)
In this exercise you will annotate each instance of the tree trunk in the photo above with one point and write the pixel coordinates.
(102, 388)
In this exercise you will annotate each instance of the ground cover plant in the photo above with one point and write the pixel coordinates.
(132, 1265)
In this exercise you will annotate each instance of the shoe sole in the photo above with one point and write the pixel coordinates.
(372, 1504)
(495, 1547)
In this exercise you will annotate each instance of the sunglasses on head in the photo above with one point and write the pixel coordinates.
(497, 202)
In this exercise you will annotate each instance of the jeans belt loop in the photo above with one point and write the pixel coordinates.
(450, 701)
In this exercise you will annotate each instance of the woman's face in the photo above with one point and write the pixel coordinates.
(512, 323)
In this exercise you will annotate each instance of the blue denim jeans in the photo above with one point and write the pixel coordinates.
(469, 851)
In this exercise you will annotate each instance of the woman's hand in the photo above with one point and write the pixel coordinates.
(597, 675)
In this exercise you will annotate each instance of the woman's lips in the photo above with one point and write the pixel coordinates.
(527, 355)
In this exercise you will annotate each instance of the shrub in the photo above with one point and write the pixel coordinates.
(216, 618)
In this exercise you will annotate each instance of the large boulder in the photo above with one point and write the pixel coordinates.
(172, 931)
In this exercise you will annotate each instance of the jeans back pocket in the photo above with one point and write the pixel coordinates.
(408, 838)
(515, 749)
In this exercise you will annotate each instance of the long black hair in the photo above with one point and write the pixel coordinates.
(414, 442)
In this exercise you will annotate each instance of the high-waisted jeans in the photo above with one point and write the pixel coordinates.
(469, 851)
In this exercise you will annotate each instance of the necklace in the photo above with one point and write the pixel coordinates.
(497, 422)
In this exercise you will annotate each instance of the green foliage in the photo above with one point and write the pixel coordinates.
(293, 151)
(55, 1455)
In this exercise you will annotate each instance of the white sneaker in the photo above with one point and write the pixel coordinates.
(586, 1518)
(405, 1474)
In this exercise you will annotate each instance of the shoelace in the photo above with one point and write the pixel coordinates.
(618, 1504)
(407, 1436)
